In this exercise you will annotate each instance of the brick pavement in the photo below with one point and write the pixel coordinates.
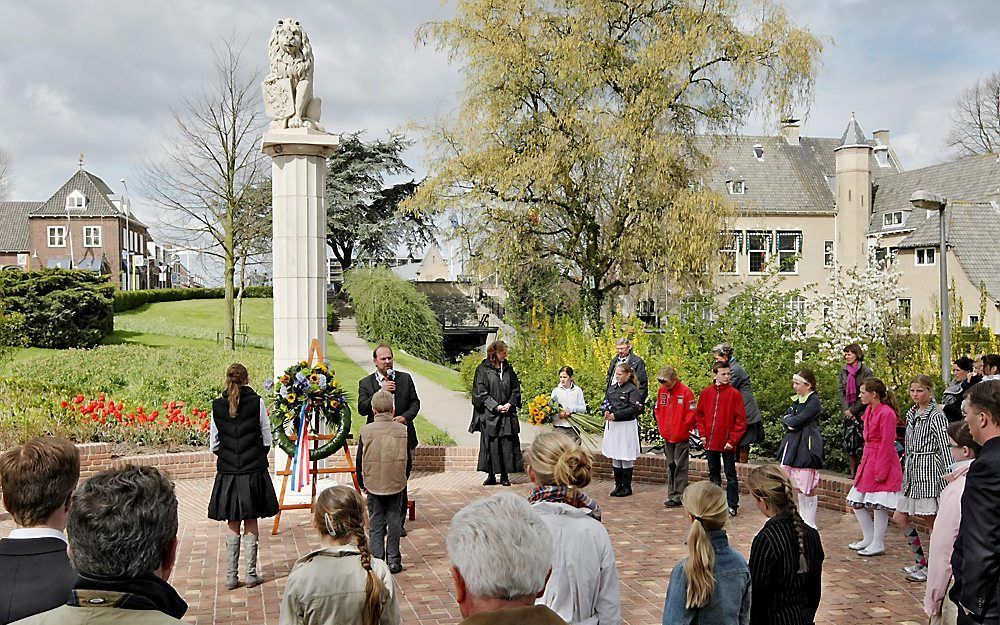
(648, 540)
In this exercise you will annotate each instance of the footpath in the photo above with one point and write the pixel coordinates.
(447, 409)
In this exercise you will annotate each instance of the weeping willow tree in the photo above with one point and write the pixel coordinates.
(574, 138)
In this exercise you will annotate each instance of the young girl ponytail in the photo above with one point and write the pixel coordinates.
(236, 378)
(706, 502)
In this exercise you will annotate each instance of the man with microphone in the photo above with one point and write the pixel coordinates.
(406, 404)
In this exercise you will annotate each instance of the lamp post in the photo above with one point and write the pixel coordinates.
(930, 201)
(128, 241)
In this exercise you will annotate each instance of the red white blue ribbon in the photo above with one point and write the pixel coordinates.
(301, 474)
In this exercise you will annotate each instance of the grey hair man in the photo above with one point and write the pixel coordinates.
(501, 557)
(740, 380)
(122, 530)
(625, 356)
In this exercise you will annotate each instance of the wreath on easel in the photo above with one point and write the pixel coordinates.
(313, 387)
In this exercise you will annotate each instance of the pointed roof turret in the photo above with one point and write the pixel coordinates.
(853, 135)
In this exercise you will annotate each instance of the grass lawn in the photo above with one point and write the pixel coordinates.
(446, 377)
(199, 319)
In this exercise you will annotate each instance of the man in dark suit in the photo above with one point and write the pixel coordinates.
(975, 560)
(625, 356)
(38, 480)
(406, 404)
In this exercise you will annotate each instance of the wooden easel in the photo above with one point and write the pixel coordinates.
(315, 471)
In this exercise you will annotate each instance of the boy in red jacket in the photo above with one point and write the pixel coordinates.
(674, 419)
(722, 420)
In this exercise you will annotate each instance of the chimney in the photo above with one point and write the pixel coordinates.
(790, 130)
(882, 136)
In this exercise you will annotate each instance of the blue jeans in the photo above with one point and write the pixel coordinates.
(728, 458)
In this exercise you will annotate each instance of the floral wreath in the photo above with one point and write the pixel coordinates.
(314, 388)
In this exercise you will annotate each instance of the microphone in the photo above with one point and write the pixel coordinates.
(390, 374)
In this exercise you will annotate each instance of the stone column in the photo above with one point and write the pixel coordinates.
(298, 180)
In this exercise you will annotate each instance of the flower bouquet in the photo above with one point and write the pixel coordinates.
(312, 388)
(543, 409)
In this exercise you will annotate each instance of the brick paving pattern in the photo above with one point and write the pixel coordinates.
(648, 541)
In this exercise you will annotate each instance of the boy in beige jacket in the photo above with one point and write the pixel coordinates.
(383, 466)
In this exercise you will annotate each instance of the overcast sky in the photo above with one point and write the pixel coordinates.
(100, 76)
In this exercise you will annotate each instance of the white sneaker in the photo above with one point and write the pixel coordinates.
(911, 569)
(858, 546)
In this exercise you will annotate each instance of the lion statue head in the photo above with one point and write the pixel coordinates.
(289, 51)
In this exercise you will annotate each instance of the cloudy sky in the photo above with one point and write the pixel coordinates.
(100, 76)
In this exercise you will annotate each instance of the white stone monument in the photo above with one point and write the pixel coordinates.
(298, 146)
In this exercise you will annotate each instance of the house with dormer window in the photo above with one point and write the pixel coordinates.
(84, 225)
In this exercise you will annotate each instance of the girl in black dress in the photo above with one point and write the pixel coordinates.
(243, 493)
(496, 396)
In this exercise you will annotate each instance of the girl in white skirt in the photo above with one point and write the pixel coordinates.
(879, 477)
(928, 455)
(622, 407)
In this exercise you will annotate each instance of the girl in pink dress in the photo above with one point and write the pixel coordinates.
(880, 475)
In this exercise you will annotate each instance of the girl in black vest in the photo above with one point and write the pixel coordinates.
(243, 493)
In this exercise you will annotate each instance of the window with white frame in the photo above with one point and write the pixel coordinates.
(736, 187)
(925, 256)
(828, 256)
(91, 236)
(76, 201)
(729, 249)
(758, 249)
(789, 247)
(973, 320)
(895, 218)
(57, 236)
(905, 309)
(797, 305)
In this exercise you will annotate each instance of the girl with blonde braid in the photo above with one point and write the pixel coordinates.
(712, 584)
(340, 583)
(786, 556)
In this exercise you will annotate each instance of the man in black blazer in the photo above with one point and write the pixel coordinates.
(38, 480)
(406, 404)
(975, 560)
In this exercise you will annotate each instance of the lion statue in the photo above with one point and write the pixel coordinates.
(288, 87)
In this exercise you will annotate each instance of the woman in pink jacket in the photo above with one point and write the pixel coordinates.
(964, 450)
(880, 475)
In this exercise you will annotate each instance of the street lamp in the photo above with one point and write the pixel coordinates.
(931, 202)
(128, 241)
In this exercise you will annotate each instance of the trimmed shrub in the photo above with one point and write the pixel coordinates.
(127, 300)
(391, 309)
(55, 308)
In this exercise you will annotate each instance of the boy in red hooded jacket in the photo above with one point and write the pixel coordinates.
(722, 420)
(674, 419)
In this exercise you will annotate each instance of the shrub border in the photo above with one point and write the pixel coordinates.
(127, 300)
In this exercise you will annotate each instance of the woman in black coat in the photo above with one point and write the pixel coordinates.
(622, 407)
(496, 396)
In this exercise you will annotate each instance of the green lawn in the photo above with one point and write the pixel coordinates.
(199, 319)
(448, 378)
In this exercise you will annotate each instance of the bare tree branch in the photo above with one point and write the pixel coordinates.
(975, 120)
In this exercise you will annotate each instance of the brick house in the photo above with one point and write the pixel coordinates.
(84, 225)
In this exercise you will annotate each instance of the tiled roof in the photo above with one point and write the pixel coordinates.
(96, 191)
(973, 231)
(853, 135)
(971, 179)
(14, 225)
(786, 179)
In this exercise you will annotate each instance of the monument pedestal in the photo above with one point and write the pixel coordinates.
(299, 266)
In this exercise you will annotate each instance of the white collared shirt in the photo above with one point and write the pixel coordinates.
(26, 533)
(380, 380)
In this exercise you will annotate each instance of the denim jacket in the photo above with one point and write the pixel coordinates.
(730, 603)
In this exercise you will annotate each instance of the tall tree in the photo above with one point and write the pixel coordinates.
(362, 212)
(6, 173)
(574, 135)
(975, 120)
(209, 176)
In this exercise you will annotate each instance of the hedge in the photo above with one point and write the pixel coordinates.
(127, 300)
(55, 308)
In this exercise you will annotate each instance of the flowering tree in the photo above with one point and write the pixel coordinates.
(861, 306)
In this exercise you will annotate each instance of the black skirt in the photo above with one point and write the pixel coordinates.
(237, 497)
(500, 454)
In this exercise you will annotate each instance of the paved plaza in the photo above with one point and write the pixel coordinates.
(648, 540)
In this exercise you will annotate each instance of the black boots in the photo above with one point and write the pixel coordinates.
(626, 490)
(618, 481)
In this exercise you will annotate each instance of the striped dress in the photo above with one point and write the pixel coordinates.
(780, 594)
(928, 456)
